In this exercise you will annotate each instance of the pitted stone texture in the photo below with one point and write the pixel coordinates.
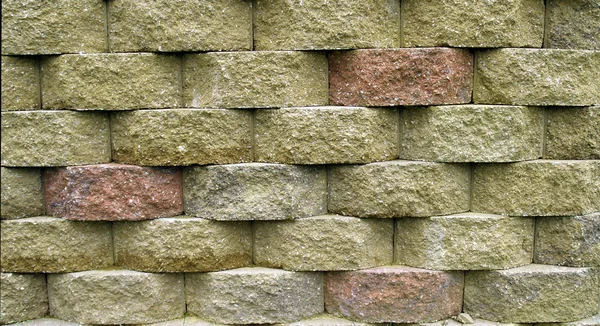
(570, 241)
(326, 135)
(400, 77)
(181, 25)
(533, 293)
(53, 245)
(472, 23)
(22, 194)
(20, 84)
(54, 138)
(323, 243)
(327, 320)
(537, 188)
(48, 321)
(257, 79)
(182, 136)
(476, 322)
(111, 81)
(398, 188)
(537, 77)
(254, 191)
(116, 297)
(318, 25)
(23, 297)
(113, 192)
(591, 321)
(573, 133)
(394, 294)
(42, 27)
(254, 295)
(573, 24)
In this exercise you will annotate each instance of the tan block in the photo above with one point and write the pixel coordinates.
(20, 84)
(22, 194)
(573, 24)
(23, 297)
(573, 133)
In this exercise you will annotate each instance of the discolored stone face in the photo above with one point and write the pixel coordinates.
(23, 297)
(591, 321)
(20, 84)
(573, 133)
(22, 194)
(573, 24)
(327, 320)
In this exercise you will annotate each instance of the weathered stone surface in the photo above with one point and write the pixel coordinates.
(254, 191)
(314, 24)
(257, 79)
(537, 188)
(54, 245)
(23, 297)
(326, 242)
(254, 295)
(22, 194)
(573, 24)
(592, 321)
(111, 81)
(42, 27)
(571, 241)
(326, 135)
(182, 137)
(471, 133)
(116, 297)
(394, 294)
(475, 24)
(476, 322)
(464, 241)
(398, 188)
(537, 77)
(181, 25)
(20, 84)
(400, 77)
(533, 293)
(54, 138)
(48, 321)
(327, 320)
(573, 133)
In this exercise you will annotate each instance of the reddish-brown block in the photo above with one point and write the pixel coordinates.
(427, 76)
(113, 192)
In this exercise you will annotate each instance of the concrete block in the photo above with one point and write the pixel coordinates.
(23, 297)
(476, 322)
(46, 321)
(20, 84)
(327, 320)
(573, 24)
(573, 133)
(22, 194)
(591, 321)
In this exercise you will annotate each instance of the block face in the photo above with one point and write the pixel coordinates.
(476, 322)
(182, 137)
(573, 133)
(22, 194)
(561, 294)
(261, 79)
(400, 77)
(398, 188)
(326, 242)
(20, 84)
(537, 77)
(573, 24)
(328, 320)
(111, 81)
(254, 191)
(48, 321)
(315, 25)
(254, 295)
(393, 294)
(54, 138)
(181, 25)
(52, 245)
(591, 321)
(326, 135)
(537, 188)
(116, 296)
(23, 297)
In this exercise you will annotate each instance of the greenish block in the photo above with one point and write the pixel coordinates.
(573, 24)
(23, 297)
(22, 194)
(20, 84)
(47, 321)
(573, 133)
(591, 321)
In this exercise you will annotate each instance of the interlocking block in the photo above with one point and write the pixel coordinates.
(323, 243)
(327, 320)
(254, 295)
(52, 245)
(573, 133)
(254, 191)
(255, 79)
(591, 321)
(23, 297)
(573, 24)
(22, 194)
(326, 135)
(20, 84)
(394, 294)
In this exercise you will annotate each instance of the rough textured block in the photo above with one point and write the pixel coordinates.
(400, 77)
(591, 321)
(573, 24)
(573, 133)
(182, 137)
(23, 297)
(537, 188)
(471, 133)
(22, 194)
(54, 245)
(116, 297)
(327, 320)
(314, 24)
(326, 135)
(20, 84)
(398, 188)
(54, 138)
(476, 322)
(254, 295)
(326, 242)
(255, 79)
(181, 25)
(483, 24)
(254, 191)
(48, 321)
(43, 27)
(113, 192)
(537, 77)
(394, 294)
(111, 81)
(533, 293)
